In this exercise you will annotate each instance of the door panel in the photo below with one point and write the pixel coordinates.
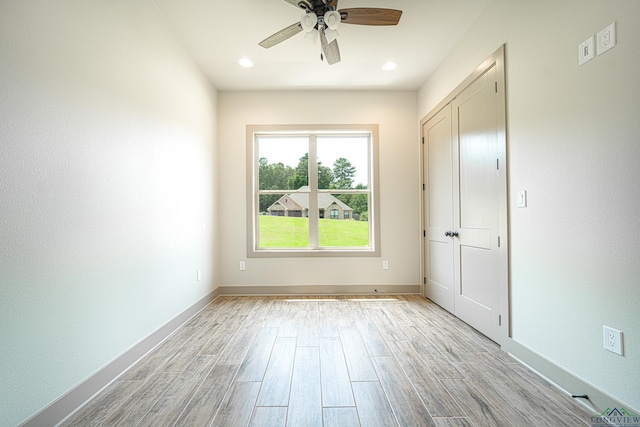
(475, 277)
(440, 282)
(477, 156)
(438, 206)
(476, 219)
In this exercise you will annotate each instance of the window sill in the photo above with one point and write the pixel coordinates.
(313, 253)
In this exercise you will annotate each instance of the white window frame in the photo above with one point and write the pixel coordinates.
(313, 250)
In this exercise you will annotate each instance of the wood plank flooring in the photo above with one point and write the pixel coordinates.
(340, 361)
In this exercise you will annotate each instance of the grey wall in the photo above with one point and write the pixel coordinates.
(107, 153)
(574, 145)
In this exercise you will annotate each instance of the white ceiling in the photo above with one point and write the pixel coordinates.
(218, 33)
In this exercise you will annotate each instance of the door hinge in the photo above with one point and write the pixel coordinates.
(498, 164)
(424, 280)
(499, 319)
(496, 85)
(424, 233)
(422, 187)
(498, 241)
(423, 139)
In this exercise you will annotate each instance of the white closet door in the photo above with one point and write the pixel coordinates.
(465, 202)
(438, 208)
(477, 189)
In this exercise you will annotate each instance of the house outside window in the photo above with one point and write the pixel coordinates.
(300, 207)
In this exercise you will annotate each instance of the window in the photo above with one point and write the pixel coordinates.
(312, 191)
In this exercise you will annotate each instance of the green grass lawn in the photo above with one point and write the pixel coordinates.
(285, 232)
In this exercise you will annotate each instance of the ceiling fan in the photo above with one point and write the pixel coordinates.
(321, 19)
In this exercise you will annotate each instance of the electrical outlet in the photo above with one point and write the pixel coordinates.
(243, 266)
(612, 340)
(385, 264)
(606, 39)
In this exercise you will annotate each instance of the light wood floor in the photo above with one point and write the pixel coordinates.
(272, 361)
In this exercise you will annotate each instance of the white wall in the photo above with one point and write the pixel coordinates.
(107, 147)
(574, 145)
(395, 112)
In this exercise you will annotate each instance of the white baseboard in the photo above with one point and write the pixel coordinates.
(321, 290)
(71, 401)
(598, 400)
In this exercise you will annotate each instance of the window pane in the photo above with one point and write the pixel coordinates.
(339, 227)
(283, 162)
(343, 162)
(288, 217)
(283, 223)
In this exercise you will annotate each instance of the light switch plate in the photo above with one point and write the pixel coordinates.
(522, 199)
(586, 51)
(606, 39)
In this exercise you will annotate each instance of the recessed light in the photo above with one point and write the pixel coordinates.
(245, 62)
(390, 66)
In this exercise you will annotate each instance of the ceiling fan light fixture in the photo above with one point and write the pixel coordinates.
(312, 36)
(331, 34)
(308, 21)
(332, 20)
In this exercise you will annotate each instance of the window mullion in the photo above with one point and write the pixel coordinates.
(313, 192)
(372, 183)
(255, 179)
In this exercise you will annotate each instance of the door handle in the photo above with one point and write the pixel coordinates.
(451, 233)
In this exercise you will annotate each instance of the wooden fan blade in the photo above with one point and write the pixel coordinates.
(305, 3)
(281, 35)
(370, 16)
(331, 50)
